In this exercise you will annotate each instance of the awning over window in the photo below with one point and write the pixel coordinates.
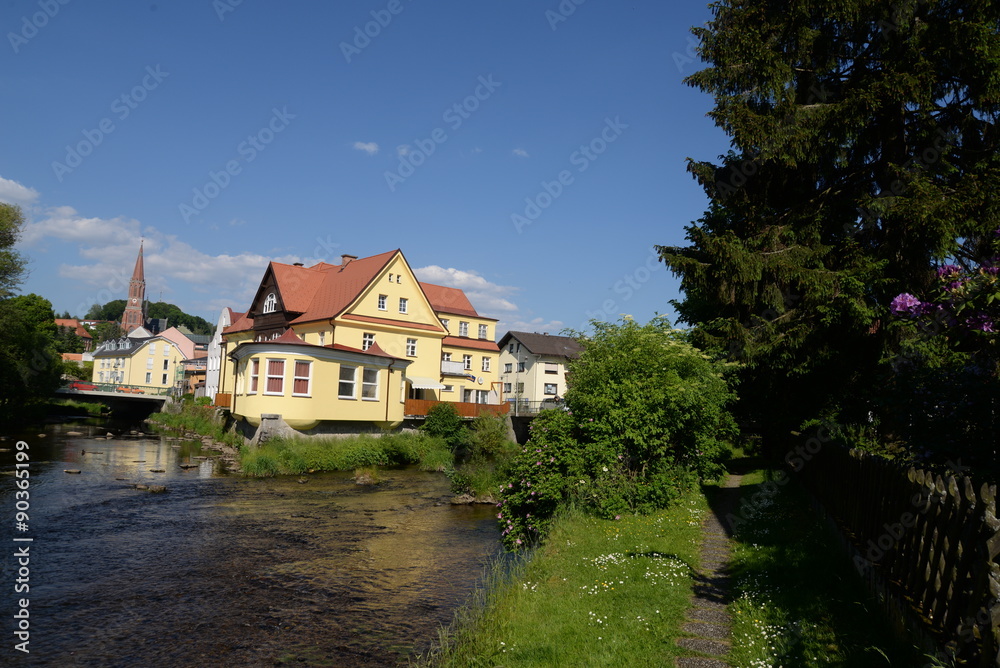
(421, 383)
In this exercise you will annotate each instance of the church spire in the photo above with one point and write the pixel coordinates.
(137, 274)
(135, 307)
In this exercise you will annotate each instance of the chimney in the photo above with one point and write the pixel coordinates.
(346, 260)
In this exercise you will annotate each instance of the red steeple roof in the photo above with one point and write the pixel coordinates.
(137, 273)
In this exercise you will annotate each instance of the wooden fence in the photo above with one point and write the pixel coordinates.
(926, 543)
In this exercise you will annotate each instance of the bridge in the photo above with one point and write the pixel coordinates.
(116, 394)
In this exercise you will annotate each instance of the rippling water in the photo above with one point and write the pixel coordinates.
(227, 571)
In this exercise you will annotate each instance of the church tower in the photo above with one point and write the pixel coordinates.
(135, 311)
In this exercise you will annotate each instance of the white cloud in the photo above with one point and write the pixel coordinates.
(520, 152)
(489, 299)
(371, 148)
(172, 266)
(539, 325)
(13, 192)
(403, 150)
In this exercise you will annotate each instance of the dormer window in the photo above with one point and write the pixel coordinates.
(270, 303)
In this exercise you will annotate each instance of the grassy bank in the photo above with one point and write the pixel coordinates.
(798, 601)
(291, 456)
(72, 407)
(596, 592)
(198, 419)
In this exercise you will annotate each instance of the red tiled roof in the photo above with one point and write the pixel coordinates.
(241, 324)
(448, 300)
(75, 325)
(333, 287)
(478, 344)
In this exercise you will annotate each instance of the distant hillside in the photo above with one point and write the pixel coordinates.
(175, 317)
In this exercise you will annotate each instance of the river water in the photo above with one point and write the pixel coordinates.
(222, 570)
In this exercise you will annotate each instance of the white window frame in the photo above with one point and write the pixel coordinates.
(369, 385)
(553, 386)
(445, 357)
(353, 381)
(403, 304)
(463, 328)
(166, 364)
(486, 364)
(411, 347)
(520, 367)
(164, 381)
(484, 331)
(149, 364)
(270, 303)
(152, 347)
(506, 388)
(268, 376)
(467, 362)
(307, 377)
(444, 322)
(149, 378)
(508, 367)
(382, 302)
(448, 388)
(254, 373)
(367, 340)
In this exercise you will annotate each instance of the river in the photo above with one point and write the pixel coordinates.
(222, 570)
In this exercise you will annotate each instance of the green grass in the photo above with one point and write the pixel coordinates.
(299, 455)
(199, 419)
(798, 601)
(596, 593)
(66, 405)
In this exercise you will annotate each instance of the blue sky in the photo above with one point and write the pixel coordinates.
(531, 153)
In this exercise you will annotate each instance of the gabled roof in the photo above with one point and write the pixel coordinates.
(448, 300)
(339, 286)
(461, 342)
(545, 344)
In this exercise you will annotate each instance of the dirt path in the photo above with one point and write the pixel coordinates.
(708, 622)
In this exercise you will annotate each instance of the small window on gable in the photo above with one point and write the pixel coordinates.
(390, 278)
(270, 303)
(381, 302)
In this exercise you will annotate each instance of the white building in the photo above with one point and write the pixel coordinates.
(214, 364)
(533, 368)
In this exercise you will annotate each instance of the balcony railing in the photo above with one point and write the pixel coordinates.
(420, 408)
(453, 368)
(525, 407)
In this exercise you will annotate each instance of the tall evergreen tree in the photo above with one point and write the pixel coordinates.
(864, 151)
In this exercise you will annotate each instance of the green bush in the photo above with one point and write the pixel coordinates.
(647, 416)
(444, 422)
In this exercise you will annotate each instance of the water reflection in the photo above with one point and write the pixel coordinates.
(222, 570)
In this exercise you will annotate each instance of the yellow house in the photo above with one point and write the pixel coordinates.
(152, 364)
(357, 343)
